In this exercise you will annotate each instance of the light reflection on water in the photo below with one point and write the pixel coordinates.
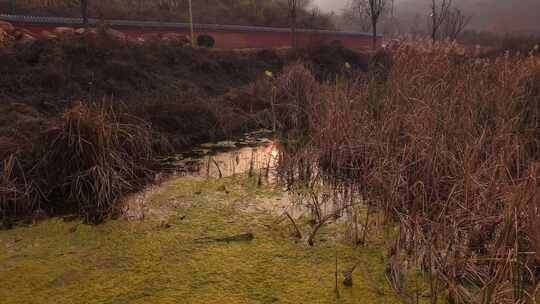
(260, 160)
(255, 154)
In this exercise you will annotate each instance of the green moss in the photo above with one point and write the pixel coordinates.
(145, 262)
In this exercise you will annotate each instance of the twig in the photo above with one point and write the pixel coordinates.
(217, 166)
(298, 233)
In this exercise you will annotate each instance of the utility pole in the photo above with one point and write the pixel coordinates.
(191, 24)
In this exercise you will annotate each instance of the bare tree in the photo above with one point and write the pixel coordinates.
(456, 21)
(439, 13)
(357, 15)
(376, 9)
(313, 17)
(295, 6)
(373, 10)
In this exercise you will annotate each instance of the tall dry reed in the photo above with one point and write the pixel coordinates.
(448, 146)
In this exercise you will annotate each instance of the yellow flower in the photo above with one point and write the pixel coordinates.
(269, 73)
(347, 65)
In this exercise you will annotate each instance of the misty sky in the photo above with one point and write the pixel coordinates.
(492, 15)
(329, 5)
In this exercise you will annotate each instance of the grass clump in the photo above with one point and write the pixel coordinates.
(83, 162)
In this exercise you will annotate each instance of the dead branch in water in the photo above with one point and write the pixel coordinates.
(217, 166)
(248, 236)
(323, 221)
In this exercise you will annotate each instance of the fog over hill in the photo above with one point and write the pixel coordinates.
(331, 5)
(488, 15)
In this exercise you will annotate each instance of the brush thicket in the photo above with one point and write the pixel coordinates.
(448, 146)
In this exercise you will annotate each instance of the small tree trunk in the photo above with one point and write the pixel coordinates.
(433, 20)
(374, 35)
(84, 12)
(294, 41)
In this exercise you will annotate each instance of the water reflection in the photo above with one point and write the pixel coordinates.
(260, 161)
(254, 154)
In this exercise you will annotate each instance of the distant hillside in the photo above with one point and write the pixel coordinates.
(239, 12)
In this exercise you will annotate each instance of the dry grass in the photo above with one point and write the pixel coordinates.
(448, 146)
(16, 192)
(84, 162)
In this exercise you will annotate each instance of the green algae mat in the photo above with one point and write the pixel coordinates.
(171, 256)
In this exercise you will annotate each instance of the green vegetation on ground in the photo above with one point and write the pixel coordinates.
(167, 258)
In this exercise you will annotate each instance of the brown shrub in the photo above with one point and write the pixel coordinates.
(294, 96)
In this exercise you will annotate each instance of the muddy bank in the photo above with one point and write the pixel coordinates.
(90, 65)
(188, 95)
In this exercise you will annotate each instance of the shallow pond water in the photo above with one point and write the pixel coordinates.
(253, 153)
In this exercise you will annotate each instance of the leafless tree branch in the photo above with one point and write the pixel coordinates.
(371, 10)
(455, 23)
(439, 13)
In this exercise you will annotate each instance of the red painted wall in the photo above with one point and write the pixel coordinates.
(239, 40)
